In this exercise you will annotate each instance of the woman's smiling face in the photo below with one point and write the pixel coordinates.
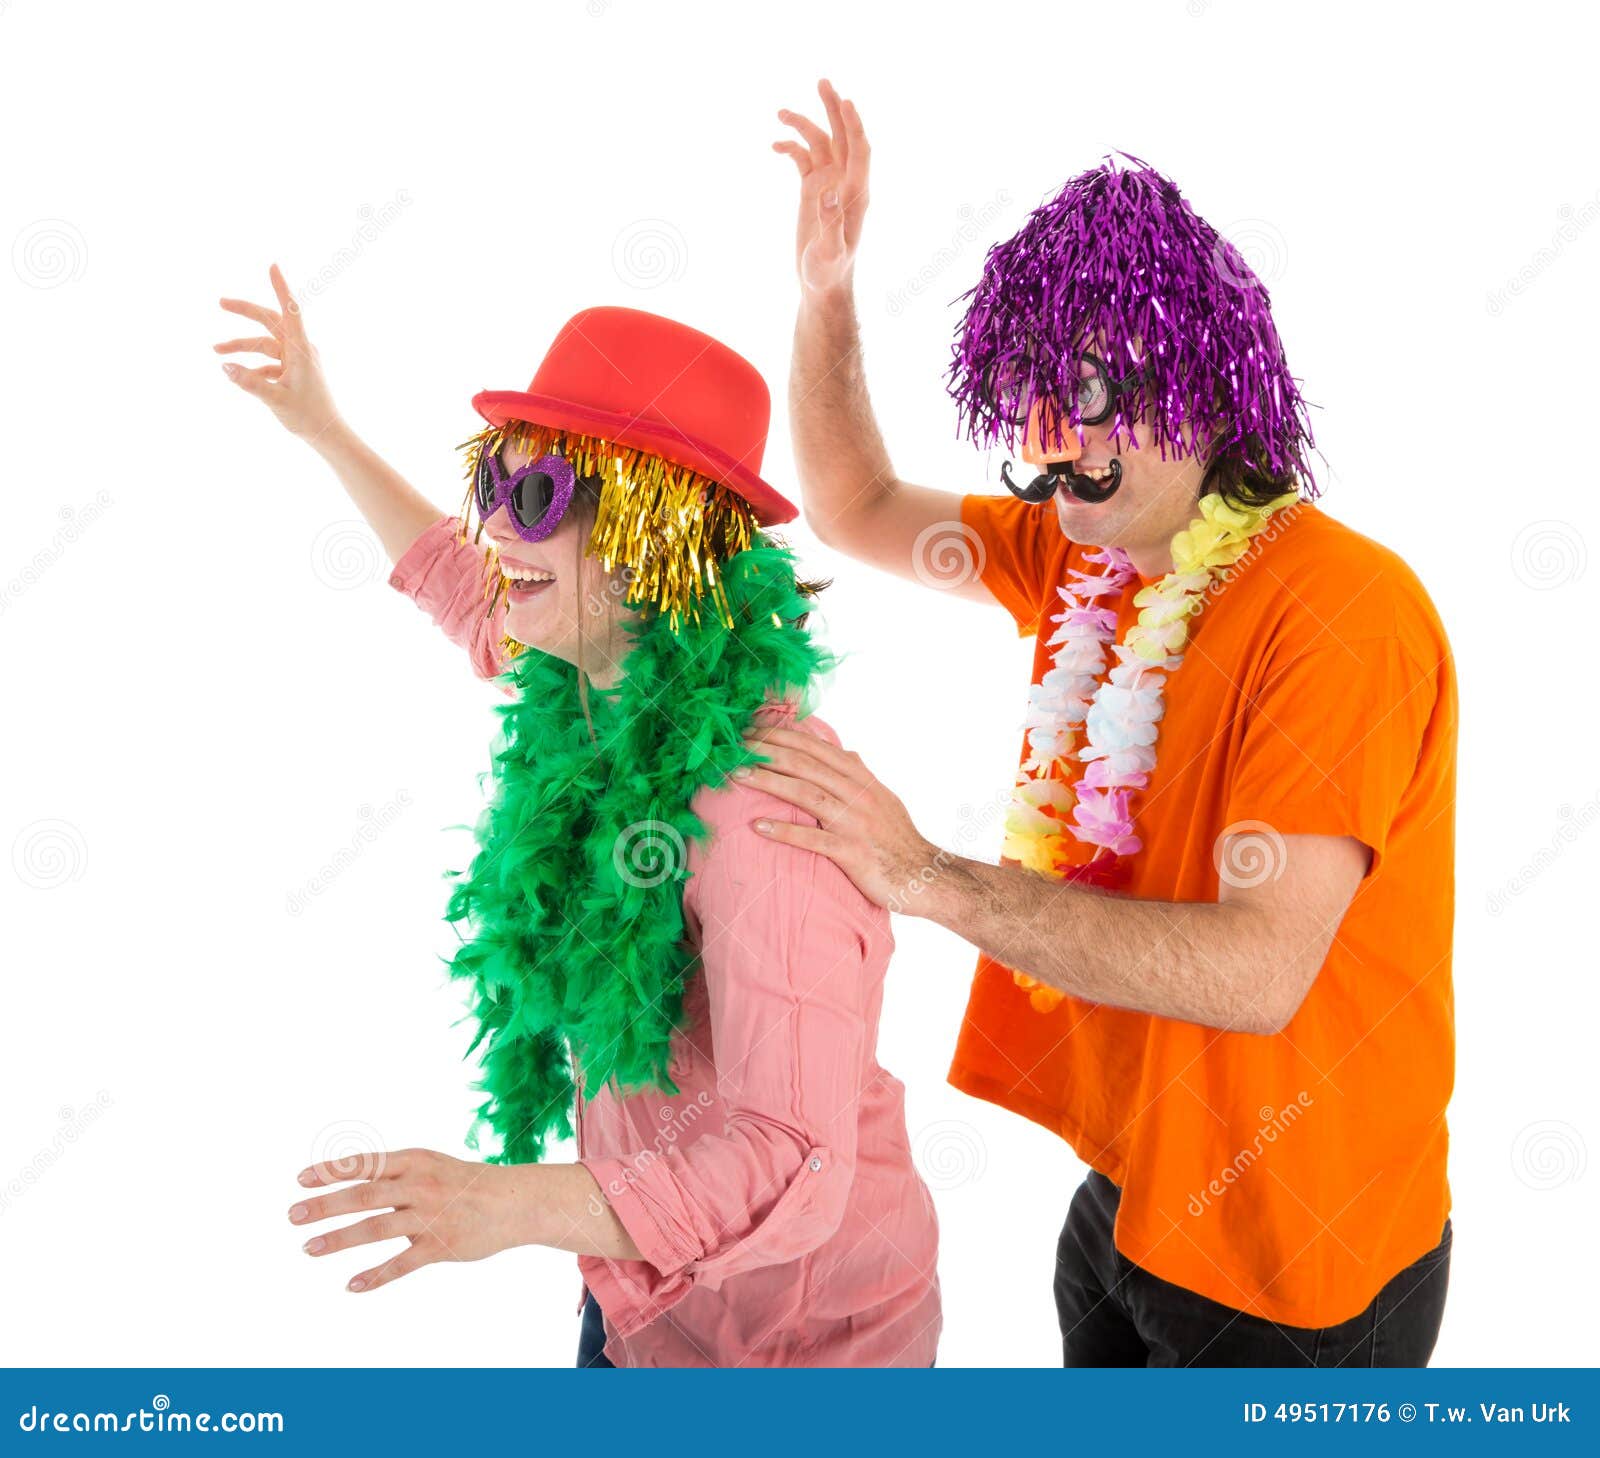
(558, 599)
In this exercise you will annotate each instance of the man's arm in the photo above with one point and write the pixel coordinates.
(1243, 963)
(853, 499)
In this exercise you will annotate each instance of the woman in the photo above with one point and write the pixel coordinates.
(698, 1003)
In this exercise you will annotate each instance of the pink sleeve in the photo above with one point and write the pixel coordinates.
(793, 957)
(445, 578)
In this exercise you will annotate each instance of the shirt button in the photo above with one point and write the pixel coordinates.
(816, 1164)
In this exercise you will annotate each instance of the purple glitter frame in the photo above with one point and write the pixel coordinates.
(1119, 257)
(562, 476)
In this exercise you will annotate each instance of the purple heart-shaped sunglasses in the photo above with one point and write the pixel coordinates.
(537, 495)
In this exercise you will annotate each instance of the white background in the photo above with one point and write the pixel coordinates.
(213, 695)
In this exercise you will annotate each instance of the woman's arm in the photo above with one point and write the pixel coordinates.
(445, 577)
(455, 1210)
(788, 949)
(294, 389)
(448, 579)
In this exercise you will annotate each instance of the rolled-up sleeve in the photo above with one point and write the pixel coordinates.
(445, 577)
(785, 938)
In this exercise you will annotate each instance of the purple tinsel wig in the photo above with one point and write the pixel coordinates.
(1120, 259)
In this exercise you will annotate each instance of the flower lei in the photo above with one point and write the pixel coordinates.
(1118, 718)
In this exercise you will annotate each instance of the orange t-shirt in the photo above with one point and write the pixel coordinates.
(1290, 1175)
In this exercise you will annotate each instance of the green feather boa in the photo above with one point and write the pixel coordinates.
(574, 897)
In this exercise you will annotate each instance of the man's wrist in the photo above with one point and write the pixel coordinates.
(834, 304)
(931, 889)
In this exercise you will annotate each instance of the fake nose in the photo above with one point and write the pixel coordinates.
(1034, 451)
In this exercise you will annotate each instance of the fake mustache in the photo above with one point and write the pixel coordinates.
(1059, 473)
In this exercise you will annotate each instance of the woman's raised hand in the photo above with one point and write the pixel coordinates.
(293, 387)
(833, 191)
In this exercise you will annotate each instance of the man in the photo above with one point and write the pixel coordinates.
(1216, 955)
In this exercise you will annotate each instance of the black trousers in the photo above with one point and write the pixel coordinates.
(1116, 1314)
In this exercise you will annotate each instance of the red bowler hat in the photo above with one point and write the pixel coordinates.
(640, 380)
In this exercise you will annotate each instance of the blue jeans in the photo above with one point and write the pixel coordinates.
(592, 1335)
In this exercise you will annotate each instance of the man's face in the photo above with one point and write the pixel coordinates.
(1150, 494)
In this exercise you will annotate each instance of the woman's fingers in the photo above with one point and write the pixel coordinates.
(363, 1232)
(254, 311)
(294, 320)
(366, 1196)
(256, 381)
(414, 1256)
(261, 344)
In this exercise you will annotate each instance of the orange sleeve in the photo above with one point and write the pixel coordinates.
(1023, 555)
(1331, 741)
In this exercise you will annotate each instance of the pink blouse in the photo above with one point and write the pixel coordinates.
(773, 1198)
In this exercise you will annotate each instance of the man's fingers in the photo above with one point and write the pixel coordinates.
(841, 137)
(855, 172)
(816, 138)
(787, 763)
(254, 311)
(802, 158)
(261, 344)
(806, 837)
(804, 794)
(841, 761)
(855, 131)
